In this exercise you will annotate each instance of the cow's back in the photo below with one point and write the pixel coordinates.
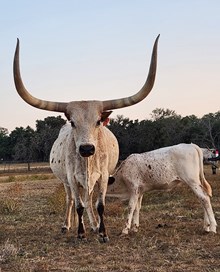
(158, 169)
(178, 162)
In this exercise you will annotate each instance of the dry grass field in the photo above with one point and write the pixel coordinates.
(170, 237)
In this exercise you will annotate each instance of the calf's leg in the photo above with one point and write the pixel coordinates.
(209, 218)
(131, 207)
(136, 216)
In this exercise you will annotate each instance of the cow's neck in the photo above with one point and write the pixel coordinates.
(87, 172)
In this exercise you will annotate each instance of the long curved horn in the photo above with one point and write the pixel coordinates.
(145, 90)
(26, 96)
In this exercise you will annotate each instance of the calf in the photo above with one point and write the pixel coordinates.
(162, 169)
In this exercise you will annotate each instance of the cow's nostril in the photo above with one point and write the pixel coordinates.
(86, 150)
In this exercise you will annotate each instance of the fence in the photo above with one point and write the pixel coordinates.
(24, 167)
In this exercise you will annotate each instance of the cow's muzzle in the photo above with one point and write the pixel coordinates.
(86, 150)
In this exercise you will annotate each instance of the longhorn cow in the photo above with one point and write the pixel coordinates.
(85, 152)
(162, 169)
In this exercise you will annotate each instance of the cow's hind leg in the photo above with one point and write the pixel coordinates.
(69, 205)
(131, 207)
(136, 216)
(209, 218)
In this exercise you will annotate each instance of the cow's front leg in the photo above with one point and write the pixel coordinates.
(74, 186)
(81, 228)
(90, 212)
(103, 237)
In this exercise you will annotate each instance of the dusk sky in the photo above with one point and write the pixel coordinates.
(100, 49)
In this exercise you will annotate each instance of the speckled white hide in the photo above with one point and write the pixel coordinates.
(76, 171)
(162, 169)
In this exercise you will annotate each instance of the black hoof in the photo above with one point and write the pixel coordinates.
(64, 230)
(103, 239)
(81, 237)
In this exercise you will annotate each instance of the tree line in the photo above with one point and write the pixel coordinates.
(164, 127)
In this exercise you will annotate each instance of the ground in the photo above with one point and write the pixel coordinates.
(170, 237)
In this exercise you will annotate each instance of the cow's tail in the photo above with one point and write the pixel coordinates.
(204, 183)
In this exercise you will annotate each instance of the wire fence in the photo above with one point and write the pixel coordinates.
(24, 167)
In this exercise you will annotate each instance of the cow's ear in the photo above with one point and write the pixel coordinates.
(104, 117)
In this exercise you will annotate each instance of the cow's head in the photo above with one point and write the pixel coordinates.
(86, 117)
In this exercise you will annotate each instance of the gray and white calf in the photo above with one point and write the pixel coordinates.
(85, 152)
(162, 169)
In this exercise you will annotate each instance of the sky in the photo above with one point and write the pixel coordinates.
(100, 49)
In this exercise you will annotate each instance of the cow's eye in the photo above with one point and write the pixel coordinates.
(72, 124)
(98, 123)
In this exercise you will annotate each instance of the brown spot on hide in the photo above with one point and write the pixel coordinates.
(52, 160)
(59, 161)
(149, 166)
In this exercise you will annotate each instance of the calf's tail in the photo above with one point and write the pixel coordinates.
(204, 183)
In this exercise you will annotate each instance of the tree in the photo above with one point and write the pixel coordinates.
(119, 128)
(4, 144)
(191, 130)
(46, 133)
(160, 113)
(22, 140)
(211, 127)
(165, 127)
